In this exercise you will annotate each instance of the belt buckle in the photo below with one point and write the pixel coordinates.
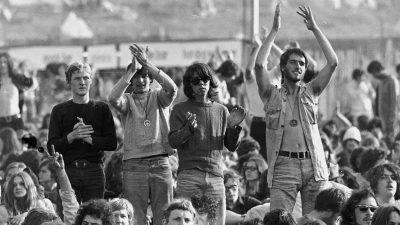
(79, 164)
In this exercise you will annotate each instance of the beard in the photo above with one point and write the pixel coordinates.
(286, 75)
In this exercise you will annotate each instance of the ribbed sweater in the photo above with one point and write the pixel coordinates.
(202, 148)
(96, 113)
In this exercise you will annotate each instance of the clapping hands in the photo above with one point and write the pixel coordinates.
(237, 115)
(140, 54)
(191, 120)
(82, 131)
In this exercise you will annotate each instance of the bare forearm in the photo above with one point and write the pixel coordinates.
(266, 48)
(276, 49)
(326, 47)
(252, 58)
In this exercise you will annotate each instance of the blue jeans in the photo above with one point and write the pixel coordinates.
(193, 181)
(144, 179)
(290, 177)
(88, 182)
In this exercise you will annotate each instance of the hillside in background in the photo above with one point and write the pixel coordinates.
(147, 20)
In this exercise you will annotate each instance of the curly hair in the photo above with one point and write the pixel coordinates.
(279, 217)
(348, 211)
(375, 174)
(121, 204)
(382, 215)
(179, 204)
(38, 216)
(16, 206)
(375, 122)
(203, 71)
(370, 158)
(228, 69)
(98, 208)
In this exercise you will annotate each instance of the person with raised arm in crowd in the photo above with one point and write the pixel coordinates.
(11, 82)
(81, 129)
(295, 152)
(145, 114)
(200, 128)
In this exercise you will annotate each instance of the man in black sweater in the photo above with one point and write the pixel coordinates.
(81, 129)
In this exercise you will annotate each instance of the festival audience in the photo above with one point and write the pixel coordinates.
(360, 151)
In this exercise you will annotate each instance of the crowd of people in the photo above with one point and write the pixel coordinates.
(218, 144)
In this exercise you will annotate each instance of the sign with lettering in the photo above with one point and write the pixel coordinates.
(184, 53)
(40, 56)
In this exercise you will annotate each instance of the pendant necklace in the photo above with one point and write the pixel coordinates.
(293, 122)
(146, 121)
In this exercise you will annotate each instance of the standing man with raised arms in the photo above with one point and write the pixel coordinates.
(294, 149)
(145, 115)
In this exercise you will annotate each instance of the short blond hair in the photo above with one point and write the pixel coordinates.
(77, 66)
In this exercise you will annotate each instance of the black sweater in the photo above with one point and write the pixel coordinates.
(95, 113)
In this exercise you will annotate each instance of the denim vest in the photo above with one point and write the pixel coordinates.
(275, 100)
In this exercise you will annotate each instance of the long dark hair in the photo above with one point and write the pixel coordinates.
(348, 215)
(203, 71)
(10, 66)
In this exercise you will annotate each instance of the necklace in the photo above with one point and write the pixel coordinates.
(293, 122)
(146, 121)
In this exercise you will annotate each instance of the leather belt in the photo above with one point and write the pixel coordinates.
(7, 119)
(82, 163)
(295, 155)
(258, 119)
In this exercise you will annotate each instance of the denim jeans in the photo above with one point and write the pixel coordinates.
(193, 181)
(144, 179)
(88, 182)
(290, 177)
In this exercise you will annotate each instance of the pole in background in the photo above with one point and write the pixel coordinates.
(119, 55)
(255, 18)
(85, 54)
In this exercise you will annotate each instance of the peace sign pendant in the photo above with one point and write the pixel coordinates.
(147, 123)
(293, 123)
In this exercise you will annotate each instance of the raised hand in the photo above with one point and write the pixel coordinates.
(55, 158)
(237, 116)
(191, 120)
(277, 18)
(306, 13)
(139, 53)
